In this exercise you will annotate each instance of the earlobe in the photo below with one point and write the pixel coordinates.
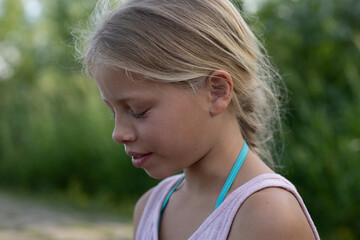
(220, 85)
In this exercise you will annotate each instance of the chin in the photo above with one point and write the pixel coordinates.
(159, 175)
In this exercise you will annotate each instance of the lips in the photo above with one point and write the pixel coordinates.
(139, 159)
(138, 156)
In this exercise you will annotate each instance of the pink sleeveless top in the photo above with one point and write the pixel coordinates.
(217, 225)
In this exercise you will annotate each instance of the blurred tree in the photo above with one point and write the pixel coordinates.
(316, 45)
(55, 133)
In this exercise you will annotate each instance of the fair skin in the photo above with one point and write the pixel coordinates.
(168, 128)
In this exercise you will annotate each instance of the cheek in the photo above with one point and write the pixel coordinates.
(181, 133)
(177, 126)
(165, 131)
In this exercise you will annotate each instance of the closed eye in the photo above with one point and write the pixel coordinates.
(138, 115)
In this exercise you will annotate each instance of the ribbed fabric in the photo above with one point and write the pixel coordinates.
(218, 224)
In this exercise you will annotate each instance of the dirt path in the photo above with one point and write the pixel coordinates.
(30, 220)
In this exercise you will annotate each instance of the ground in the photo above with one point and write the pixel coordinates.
(29, 219)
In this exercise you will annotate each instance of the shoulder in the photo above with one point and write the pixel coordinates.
(272, 213)
(139, 208)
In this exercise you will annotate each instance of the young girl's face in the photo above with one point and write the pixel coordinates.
(165, 128)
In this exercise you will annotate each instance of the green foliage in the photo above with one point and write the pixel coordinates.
(316, 45)
(55, 134)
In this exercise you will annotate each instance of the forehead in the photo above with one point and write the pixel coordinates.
(103, 75)
(116, 84)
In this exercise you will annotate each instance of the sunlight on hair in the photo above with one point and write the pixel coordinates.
(117, 37)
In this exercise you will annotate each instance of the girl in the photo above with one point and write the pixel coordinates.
(191, 91)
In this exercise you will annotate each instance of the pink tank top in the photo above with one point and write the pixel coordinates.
(218, 224)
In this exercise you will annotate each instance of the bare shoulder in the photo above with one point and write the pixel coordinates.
(139, 208)
(272, 213)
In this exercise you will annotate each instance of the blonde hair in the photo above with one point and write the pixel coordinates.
(185, 40)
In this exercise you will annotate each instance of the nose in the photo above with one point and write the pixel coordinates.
(123, 133)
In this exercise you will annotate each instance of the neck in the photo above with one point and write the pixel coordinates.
(210, 173)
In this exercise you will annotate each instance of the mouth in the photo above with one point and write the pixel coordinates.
(139, 159)
(137, 156)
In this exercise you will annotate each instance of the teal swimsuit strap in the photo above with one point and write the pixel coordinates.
(235, 169)
(170, 193)
(167, 199)
(229, 181)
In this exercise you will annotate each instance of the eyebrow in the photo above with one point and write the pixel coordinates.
(125, 99)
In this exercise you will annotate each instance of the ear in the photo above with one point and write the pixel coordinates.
(220, 86)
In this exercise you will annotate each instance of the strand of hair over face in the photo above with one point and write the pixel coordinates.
(184, 41)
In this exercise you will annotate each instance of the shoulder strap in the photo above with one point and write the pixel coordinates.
(218, 224)
(148, 225)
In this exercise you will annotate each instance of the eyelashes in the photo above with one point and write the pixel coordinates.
(138, 115)
(134, 114)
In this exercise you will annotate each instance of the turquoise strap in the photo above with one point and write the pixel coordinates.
(170, 193)
(229, 181)
(232, 175)
(167, 199)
